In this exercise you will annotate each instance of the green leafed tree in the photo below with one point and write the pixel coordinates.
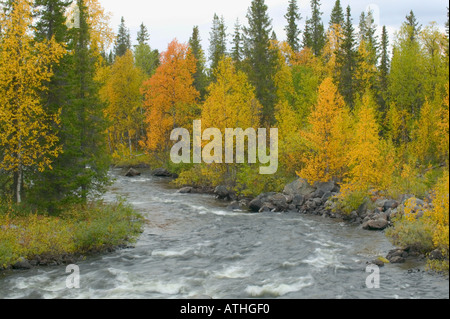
(314, 34)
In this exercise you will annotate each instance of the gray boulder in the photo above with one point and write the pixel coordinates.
(132, 173)
(22, 264)
(299, 187)
(376, 225)
(162, 172)
(326, 187)
(185, 190)
(222, 192)
(256, 204)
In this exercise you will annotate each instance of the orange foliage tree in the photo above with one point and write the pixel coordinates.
(170, 97)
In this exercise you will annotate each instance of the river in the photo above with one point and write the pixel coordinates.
(193, 246)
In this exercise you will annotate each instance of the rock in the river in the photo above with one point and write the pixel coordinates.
(222, 192)
(397, 256)
(162, 172)
(132, 173)
(299, 187)
(185, 190)
(379, 224)
(436, 255)
(22, 264)
(256, 204)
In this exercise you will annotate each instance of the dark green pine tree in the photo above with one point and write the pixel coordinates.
(414, 27)
(347, 60)
(384, 68)
(123, 40)
(51, 186)
(259, 59)
(293, 17)
(217, 43)
(314, 34)
(337, 15)
(237, 50)
(81, 169)
(87, 160)
(145, 58)
(200, 77)
(367, 33)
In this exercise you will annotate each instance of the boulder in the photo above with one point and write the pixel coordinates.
(162, 172)
(397, 256)
(298, 200)
(390, 204)
(222, 192)
(436, 255)
(22, 264)
(185, 190)
(132, 173)
(299, 187)
(279, 202)
(256, 204)
(379, 224)
(326, 187)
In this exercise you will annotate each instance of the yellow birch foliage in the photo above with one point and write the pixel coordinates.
(333, 44)
(443, 131)
(122, 94)
(231, 102)
(366, 71)
(26, 131)
(327, 139)
(170, 96)
(426, 135)
(439, 215)
(364, 153)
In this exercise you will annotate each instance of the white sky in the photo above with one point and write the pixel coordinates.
(169, 19)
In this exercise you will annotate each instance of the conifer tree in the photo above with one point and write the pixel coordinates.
(260, 60)
(237, 49)
(337, 15)
(145, 58)
(293, 17)
(217, 42)
(123, 41)
(413, 26)
(347, 60)
(314, 34)
(200, 77)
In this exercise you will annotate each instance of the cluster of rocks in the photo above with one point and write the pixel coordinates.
(159, 172)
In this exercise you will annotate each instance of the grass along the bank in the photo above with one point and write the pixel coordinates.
(94, 227)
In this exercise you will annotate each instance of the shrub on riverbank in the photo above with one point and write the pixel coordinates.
(429, 232)
(80, 230)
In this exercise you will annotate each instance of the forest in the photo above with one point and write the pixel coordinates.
(352, 105)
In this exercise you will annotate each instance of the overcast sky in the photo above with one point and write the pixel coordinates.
(169, 19)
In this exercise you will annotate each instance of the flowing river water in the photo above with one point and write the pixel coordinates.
(193, 246)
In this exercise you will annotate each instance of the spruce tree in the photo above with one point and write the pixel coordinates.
(218, 42)
(145, 58)
(347, 59)
(123, 41)
(87, 162)
(337, 15)
(367, 34)
(314, 35)
(237, 50)
(292, 30)
(260, 60)
(384, 68)
(200, 78)
(414, 27)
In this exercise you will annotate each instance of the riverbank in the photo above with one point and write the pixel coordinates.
(414, 237)
(29, 239)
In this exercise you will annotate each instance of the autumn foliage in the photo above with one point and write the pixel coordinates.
(170, 96)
